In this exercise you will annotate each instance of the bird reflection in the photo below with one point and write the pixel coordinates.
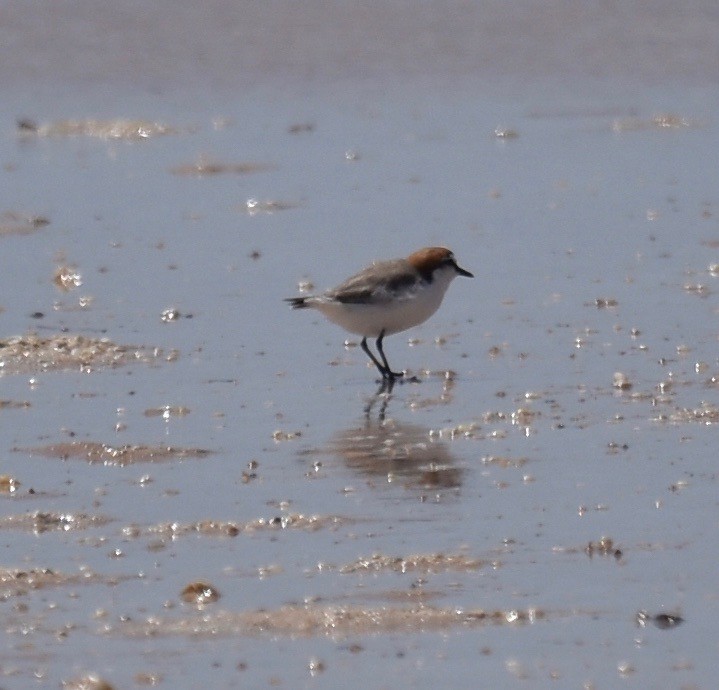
(397, 451)
(382, 396)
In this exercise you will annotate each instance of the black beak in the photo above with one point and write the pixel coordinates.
(462, 272)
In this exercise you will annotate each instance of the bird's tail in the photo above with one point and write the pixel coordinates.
(297, 302)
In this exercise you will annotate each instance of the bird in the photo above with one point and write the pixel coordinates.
(387, 297)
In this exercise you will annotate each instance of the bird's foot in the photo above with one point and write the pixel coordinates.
(389, 376)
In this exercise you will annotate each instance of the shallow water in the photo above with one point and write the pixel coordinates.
(515, 516)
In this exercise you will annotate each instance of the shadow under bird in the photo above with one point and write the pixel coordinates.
(388, 297)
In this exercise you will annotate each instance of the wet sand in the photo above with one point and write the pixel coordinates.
(202, 487)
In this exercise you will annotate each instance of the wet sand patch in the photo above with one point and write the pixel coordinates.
(167, 411)
(94, 682)
(660, 121)
(333, 621)
(205, 167)
(127, 130)
(8, 485)
(115, 456)
(225, 528)
(705, 413)
(16, 582)
(67, 278)
(424, 563)
(31, 353)
(14, 405)
(253, 207)
(16, 223)
(39, 522)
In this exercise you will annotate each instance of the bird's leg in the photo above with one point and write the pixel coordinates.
(382, 370)
(388, 373)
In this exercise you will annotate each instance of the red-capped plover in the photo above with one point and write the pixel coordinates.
(388, 297)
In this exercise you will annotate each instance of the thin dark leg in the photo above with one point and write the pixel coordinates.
(382, 370)
(388, 371)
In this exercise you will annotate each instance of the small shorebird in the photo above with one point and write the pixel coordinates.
(388, 297)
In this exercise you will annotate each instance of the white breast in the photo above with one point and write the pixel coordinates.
(389, 317)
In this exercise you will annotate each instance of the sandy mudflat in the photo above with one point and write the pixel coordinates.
(200, 487)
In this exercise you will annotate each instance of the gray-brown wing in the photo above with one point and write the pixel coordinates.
(378, 283)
